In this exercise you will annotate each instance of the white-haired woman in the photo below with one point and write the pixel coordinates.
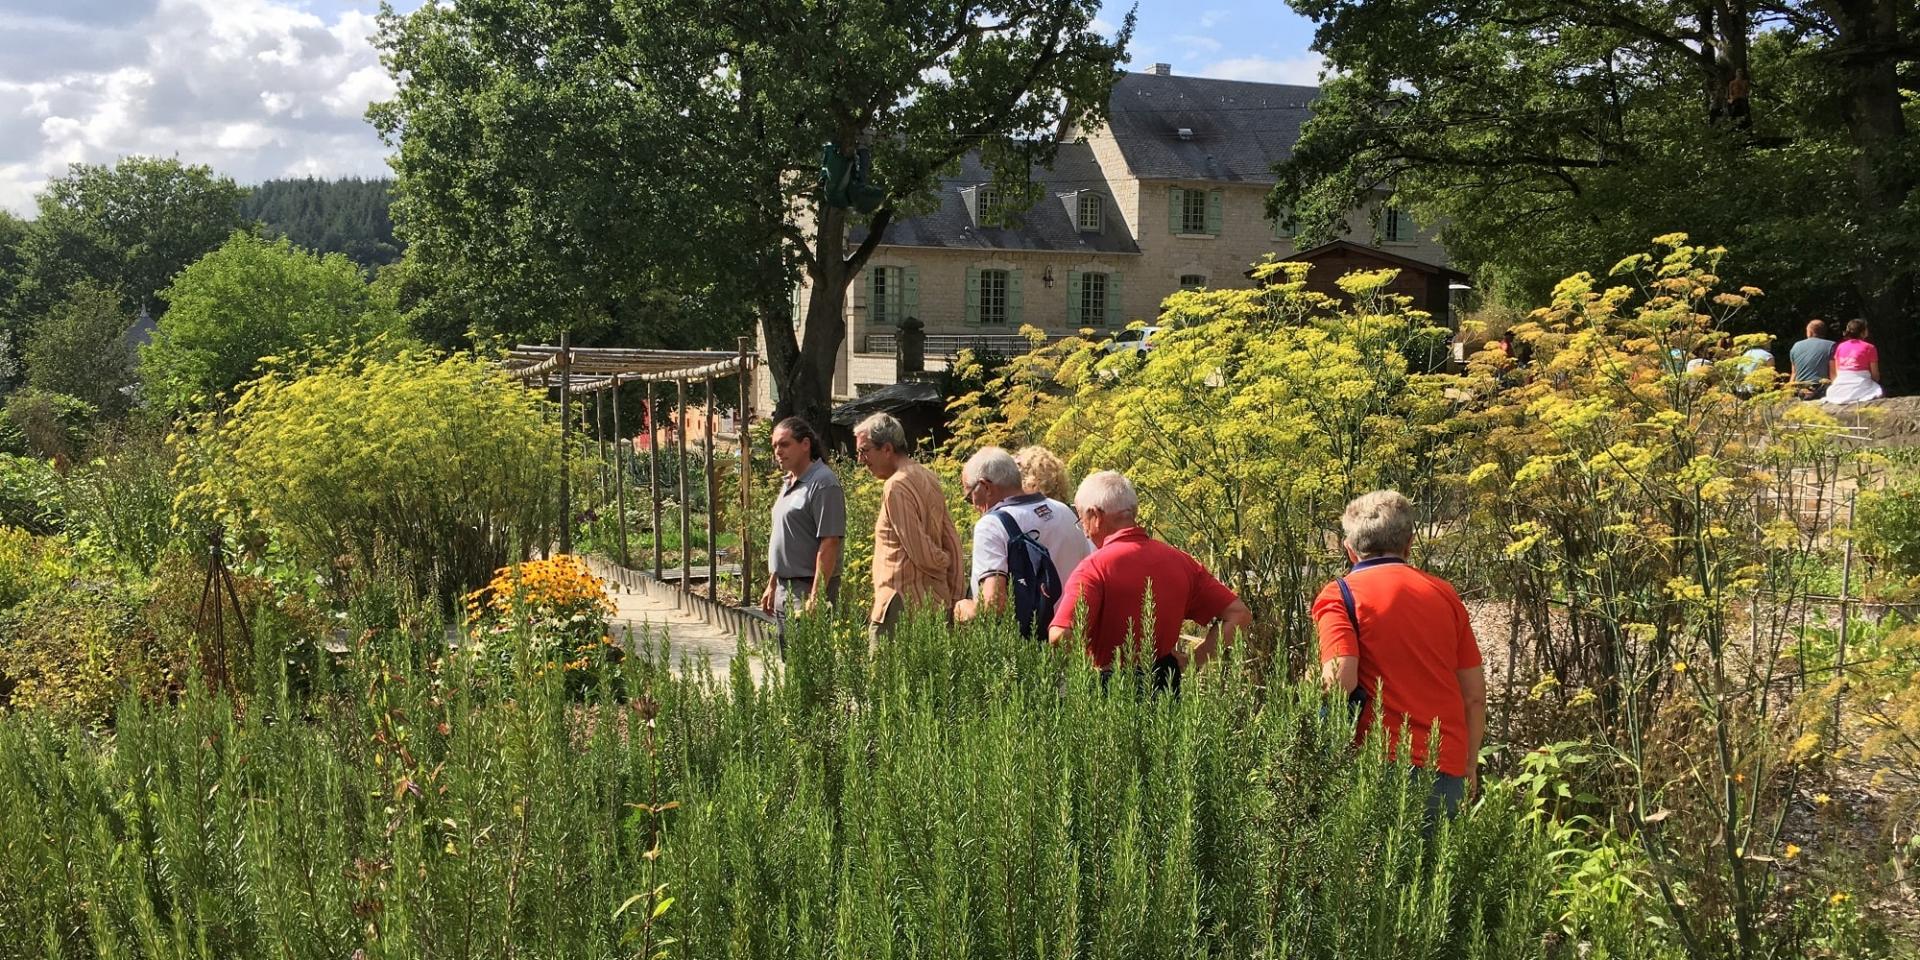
(1397, 640)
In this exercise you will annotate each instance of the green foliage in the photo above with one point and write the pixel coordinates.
(965, 794)
(80, 349)
(1247, 429)
(554, 192)
(249, 300)
(434, 465)
(120, 502)
(1653, 508)
(69, 646)
(1550, 138)
(346, 216)
(30, 495)
(46, 424)
(129, 227)
(1889, 524)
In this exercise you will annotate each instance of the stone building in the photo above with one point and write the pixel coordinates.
(1169, 193)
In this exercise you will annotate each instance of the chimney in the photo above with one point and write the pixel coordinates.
(1160, 70)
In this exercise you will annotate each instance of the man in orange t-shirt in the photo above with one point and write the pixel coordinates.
(1414, 655)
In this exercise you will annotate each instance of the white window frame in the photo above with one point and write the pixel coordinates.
(1089, 213)
(995, 312)
(1193, 204)
(882, 291)
(1091, 311)
(1398, 226)
(986, 200)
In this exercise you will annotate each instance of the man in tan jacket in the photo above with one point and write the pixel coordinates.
(916, 550)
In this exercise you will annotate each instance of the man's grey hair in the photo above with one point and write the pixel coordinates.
(994, 465)
(883, 429)
(1109, 492)
(1378, 523)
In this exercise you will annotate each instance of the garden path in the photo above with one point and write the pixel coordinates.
(695, 641)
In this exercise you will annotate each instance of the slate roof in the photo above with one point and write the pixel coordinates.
(1044, 226)
(1239, 129)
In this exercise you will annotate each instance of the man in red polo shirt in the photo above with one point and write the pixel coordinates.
(1413, 655)
(1112, 584)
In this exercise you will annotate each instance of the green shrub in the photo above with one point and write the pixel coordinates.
(30, 495)
(121, 501)
(434, 466)
(47, 424)
(966, 794)
(72, 644)
(1888, 523)
(253, 298)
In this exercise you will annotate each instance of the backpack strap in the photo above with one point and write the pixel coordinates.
(1014, 535)
(1357, 697)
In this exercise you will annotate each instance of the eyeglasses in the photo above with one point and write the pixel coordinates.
(969, 489)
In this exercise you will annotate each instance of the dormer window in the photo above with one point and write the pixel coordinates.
(1088, 212)
(986, 205)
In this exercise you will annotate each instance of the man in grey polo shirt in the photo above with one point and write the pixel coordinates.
(809, 527)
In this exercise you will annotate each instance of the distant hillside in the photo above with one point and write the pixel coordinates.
(332, 216)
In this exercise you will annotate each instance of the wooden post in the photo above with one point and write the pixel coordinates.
(546, 485)
(713, 513)
(746, 471)
(566, 440)
(600, 442)
(622, 448)
(653, 475)
(686, 522)
(1840, 647)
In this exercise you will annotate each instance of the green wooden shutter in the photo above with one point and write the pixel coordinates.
(1116, 317)
(1215, 211)
(1280, 231)
(910, 293)
(1176, 199)
(1013, 299)
(1073, 299)
(973, 295)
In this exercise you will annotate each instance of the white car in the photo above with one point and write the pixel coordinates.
(1137, 339)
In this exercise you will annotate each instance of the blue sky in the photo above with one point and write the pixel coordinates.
(272, 88)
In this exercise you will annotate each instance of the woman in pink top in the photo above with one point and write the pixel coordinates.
(1855, 367)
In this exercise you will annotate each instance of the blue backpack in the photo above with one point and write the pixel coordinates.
(1031, 579)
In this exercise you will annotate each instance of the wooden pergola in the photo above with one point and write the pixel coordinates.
(600, 371)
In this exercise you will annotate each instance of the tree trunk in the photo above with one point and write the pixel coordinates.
(1869, 38)
(806, 388)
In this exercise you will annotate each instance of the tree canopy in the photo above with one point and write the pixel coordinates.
(80, 349)
(347, 216)
(566, 161)
(129, 227)
(1548, 138)
(250, 299)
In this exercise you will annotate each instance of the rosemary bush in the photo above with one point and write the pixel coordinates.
(963, 794)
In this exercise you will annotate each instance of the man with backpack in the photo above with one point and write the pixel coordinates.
(1025, 545)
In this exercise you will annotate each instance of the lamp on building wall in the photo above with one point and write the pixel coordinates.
(1046, 276)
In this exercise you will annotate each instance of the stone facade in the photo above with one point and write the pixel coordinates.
(937, 272)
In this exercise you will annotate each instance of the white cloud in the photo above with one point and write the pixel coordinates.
(1212, 18)
(1304, 70)
(1197, 46)
(252, 88)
